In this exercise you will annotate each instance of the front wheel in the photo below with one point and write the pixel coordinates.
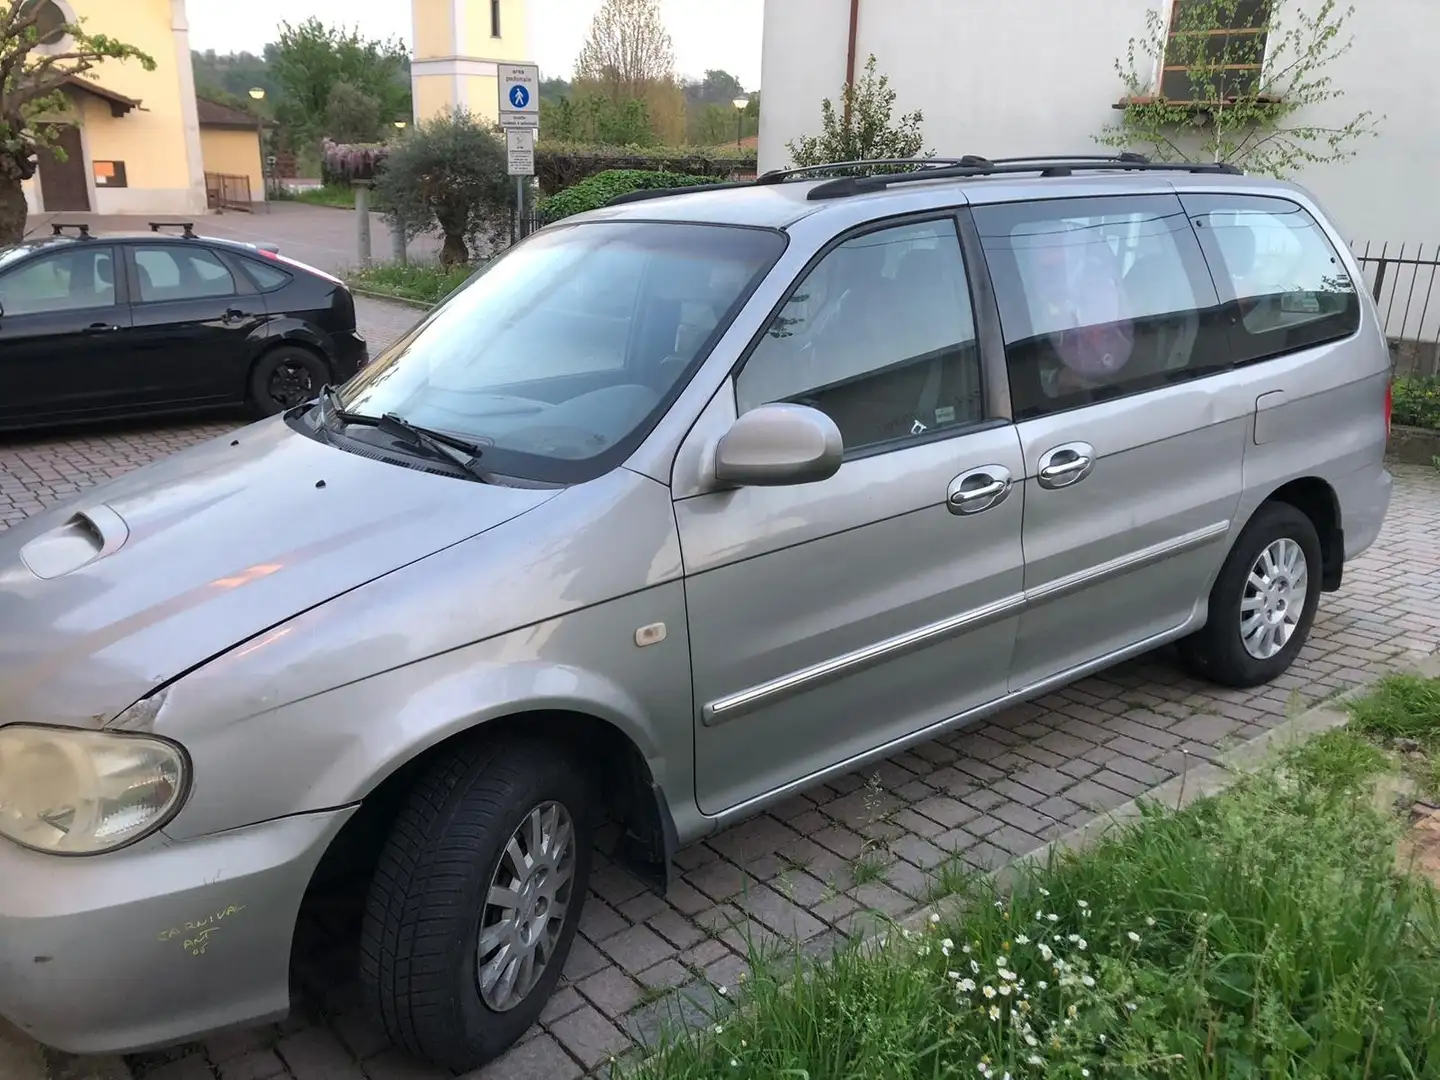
(475, 901)
(1263, 603)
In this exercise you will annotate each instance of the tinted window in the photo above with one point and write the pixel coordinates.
(880, 336)
(265, 278)
(173, 272)
(564, 351)
(1286, 285)
(1099, 298)
(77, 278)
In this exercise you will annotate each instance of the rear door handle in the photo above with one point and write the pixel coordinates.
(235, 315)
(1065, 465)
(979, 489)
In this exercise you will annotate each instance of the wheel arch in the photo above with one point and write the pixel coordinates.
(622, 777)
(1317, 500)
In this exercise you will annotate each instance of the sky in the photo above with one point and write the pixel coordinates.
(722, 35)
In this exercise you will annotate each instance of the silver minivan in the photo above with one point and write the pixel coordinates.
(678, 508)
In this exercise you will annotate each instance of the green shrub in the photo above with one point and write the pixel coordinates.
(1417, 402)
(595, 192)
(559, 165)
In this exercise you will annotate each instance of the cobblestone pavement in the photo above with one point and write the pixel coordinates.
(816, 868)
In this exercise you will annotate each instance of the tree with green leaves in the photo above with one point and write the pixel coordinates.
(449, 176)
(308, 61)
(40, 56)
(352, 115)
(863, 128)
(1239, 84)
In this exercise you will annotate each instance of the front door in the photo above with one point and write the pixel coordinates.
(64, 186)
(830, 619)
(194, 323)
(63, 321)
(1132, 453)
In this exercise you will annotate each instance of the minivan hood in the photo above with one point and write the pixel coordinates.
(141, 579)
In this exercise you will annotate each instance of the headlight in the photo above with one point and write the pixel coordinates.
(71, 792)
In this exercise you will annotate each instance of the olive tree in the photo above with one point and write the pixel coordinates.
(40, 55)
(448, 176)
(1238, 82)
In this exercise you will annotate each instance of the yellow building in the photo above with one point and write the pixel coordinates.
(457, 45)
(132, 144)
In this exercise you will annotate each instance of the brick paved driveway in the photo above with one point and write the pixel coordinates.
(816, 866)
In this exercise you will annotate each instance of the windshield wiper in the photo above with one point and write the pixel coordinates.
(455, 450)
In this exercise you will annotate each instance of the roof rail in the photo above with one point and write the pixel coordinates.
(82, 231)
(845, 186)
(778, 176)
(188, 228)
(659, 193)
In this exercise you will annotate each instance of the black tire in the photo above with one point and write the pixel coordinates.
(284, 377)
(1218, 652)
(421, 931)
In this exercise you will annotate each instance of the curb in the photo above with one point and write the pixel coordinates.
(1203, 781)
(370, 294)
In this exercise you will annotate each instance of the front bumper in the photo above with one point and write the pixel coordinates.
(158, 944)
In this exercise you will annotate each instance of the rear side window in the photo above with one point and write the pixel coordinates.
(180, 272)
(1099, 298)
(1280, 278)
(265, 278)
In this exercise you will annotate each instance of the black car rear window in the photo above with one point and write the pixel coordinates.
(266, 278)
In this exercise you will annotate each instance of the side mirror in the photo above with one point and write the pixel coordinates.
(779, 446)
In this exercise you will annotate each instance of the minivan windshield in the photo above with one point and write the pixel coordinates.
(559, 356)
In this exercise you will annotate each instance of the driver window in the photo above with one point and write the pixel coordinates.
(880, 336)
(76, 279)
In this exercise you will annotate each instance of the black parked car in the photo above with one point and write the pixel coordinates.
(98, 327)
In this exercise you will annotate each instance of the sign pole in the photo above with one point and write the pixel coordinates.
(519, 111)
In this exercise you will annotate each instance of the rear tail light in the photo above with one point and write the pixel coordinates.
(1389, 406)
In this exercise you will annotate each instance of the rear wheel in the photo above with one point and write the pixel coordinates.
(285, 377)
(475, 901)
(1263, 603)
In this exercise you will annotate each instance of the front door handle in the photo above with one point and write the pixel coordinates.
(234, 315)
(1065, 465)
(101, 328)
(979, 489)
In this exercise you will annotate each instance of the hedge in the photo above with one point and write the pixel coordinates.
(560, 165)
(597, 190)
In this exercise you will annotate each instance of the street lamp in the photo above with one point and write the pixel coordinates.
(257, 94)
(741, 104)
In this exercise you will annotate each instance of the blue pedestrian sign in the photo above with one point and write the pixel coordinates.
(519, 95)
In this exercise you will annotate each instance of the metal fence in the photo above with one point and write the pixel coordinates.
(1402, 280)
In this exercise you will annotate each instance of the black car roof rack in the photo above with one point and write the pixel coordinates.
(845, 186)
(187, 227)
(82, 231)
(913, 170)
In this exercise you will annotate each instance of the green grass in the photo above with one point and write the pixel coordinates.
(426, 283)
(1403, 710)
(329, 195)
(1264, 933)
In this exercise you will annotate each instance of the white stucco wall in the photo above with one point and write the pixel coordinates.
(1007, 77)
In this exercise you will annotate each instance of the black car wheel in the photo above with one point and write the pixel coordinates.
(476, 899)
(286, 377)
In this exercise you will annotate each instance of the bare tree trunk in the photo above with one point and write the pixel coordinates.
(13, 210)
(454, 252)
